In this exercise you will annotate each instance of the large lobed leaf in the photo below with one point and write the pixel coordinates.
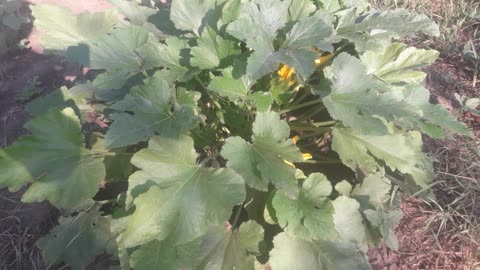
(262, 161)
(258, 26)
(54, 159)
(291, 252)
(77, 240)
(400, 151)
(151, 105)
(175, 198)
(363, 102)
(311, 215)
(73, 29)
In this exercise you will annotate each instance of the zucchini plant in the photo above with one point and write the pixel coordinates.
(229, 134)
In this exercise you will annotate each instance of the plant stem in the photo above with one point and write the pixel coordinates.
(237, 215)
(207, 92)
(310, 114)
(299, 106)
(316, 133)
(321, 161)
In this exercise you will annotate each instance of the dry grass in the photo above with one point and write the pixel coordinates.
(453, 17)
(456, 213)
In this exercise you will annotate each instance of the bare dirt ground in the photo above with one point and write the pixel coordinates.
(420, 246)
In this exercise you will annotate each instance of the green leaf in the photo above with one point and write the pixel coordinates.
(260, 35)
(310, 32)
(262, 161)
(290, 252)
(344, 188)
(211, 49)
(62, 170)
(230, 87)
(192, 15)
(329, 5)
(364, 103)
(259, 22)
(398, 64)
(224, 249)
(109, 85)
(77, 240)
(374, 190)
(151, 105)
(115, 52)
(173, 197)
(156, 255)
(436, 116)
(61, 98)
(73, 29)
(311, 215)
(402, 152)
(386, 222)
(172, 55)
(300, 9)
(367, 29)
(349, 221)
(137, 14)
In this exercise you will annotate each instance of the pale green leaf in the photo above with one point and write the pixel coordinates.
(402, 152)
(290, 252)
(329, 5)
(366, 30)
(192, 15)
(311, 215)
(137, 14)
(374, 190)
(230, 87)
(310, 32)
(436, 116)
(259, 22)
(175, 198)
(344, 188)
(62, 170)
(73, 29)
(262, 161)
(349, 221)
(300, 9)
(224, 249)
(398, 64)
(386, 222)
(364, 103)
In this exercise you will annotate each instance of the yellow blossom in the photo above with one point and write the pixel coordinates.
(306, 156)
(295, 139)
(286, 74)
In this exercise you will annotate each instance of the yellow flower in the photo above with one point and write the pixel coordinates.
(286, 74)
(306, 156)
(324, 58)
(295, 139)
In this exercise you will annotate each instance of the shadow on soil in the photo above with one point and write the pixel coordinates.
(24, 76)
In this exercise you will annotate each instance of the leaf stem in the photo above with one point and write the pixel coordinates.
(303, 105)
(207, 92)
(237, 215)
